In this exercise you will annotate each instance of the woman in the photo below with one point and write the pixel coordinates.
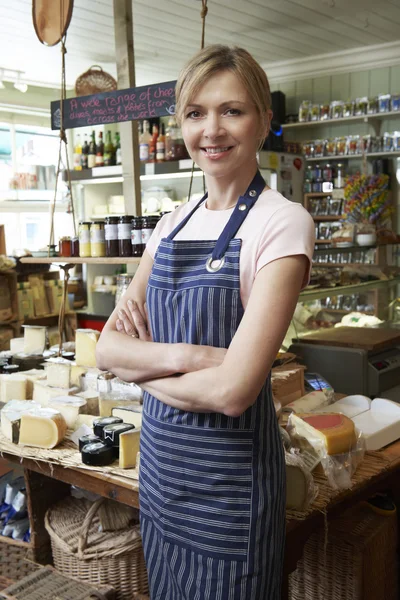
(221, 280)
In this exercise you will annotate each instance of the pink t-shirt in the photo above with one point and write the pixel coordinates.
(275, 227)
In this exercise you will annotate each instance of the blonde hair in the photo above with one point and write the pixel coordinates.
(216, 58)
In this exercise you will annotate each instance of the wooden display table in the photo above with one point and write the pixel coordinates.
(48, 483)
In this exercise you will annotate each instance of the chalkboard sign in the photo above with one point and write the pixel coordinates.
(157, 100)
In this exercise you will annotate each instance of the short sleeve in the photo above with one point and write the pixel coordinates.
(290, 231)
(156, 237)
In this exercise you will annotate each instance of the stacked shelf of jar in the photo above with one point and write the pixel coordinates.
(338, 109)
(122, 236)
(351, 145)
(319, 179)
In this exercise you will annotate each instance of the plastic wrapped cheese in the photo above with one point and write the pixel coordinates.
(11, 417)
(85, 347)
(300, 487)
(328, 433)
(43, 428)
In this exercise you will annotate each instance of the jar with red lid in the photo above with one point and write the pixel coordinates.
(124, 235)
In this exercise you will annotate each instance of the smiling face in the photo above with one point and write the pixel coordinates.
(222, 128)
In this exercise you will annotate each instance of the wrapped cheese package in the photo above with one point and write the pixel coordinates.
(333, 439)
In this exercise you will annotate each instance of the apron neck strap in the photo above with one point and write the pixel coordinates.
(182, 224)
(243, 205)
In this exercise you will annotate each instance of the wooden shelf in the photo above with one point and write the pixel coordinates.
(318, 293)
(353, 156)
(80, 261)
(343, 120)
(318, 194)
(323, 241)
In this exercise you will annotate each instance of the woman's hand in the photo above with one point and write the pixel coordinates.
(133, 322)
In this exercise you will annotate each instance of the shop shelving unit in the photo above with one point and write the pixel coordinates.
(374, 119)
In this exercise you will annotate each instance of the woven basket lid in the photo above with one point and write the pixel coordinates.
(94, 81)
(73, 526)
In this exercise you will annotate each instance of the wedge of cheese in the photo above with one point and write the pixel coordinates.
(84, 420)
(59, 374)
(300, 486)
(70, 407)
(132, 413)
(13, 387)
(43, 428)
(76, 374)
(85, 347)
(31, 376)
(328, 433)
(11, 417)
(42, 392)
(129, 446)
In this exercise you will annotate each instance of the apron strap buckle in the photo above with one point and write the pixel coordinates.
(213, 265)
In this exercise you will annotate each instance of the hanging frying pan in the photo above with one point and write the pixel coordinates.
(51, 19)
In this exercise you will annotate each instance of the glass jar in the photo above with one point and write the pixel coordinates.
(111, 236)
(123, 282)
(338, 181)
(395, 102)
(148, 226)
(124, 235)
(84, 239)
(327, 173)
(175, 148)
(317, 172)
(75, 246)
(97, 239)
(64, 246)
(308, 179)
(136, 237)
(325, 112)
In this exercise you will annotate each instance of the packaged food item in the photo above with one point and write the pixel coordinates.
(111, 435)
(65, 246)
(376, 144)
(84, 239)
(396, 141)
(308, 179)
(337, 109)
(148, 225)
(348, 108)
(101, 422)
(328, 433)
(384, 102)
(315, 114)
(304, 111)
(387, 145)
(360, 106)
(124, 235)
(335, 207)
(364, 144)
(300, 487)
(341, 146)
(75, 247)
(88, 439)
(372, 106)
(330, 147)
(327, 172)
(308, 149)
(325, 112)
(317, 185)
(352, 144)
(319, 148)
(136, 237)
(395, 102)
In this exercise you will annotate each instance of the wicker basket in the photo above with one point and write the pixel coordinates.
(359, 561)
(93, 81)
(82, 552)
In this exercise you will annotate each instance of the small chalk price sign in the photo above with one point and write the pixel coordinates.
(156, 100)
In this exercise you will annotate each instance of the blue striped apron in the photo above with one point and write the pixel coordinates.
(212, 487)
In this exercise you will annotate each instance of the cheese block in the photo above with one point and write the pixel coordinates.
(43, 428)
(300, 486)
(70, 407)
(85, 347)
(89, 380)
(34, 339)
(31, 376)
(132, 413)
(92, 400)
(12, 387)
(42, 393)
(129, 445)
(328, 433)
(11, 417)
(59, 374)
(76, 373)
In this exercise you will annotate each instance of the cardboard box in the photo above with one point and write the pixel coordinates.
(288, 383)
(26, 309)
(8, 296)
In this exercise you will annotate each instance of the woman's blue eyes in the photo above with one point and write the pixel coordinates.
(195, 114)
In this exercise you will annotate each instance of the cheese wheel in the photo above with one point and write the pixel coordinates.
(333, 432)
(45, 428)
